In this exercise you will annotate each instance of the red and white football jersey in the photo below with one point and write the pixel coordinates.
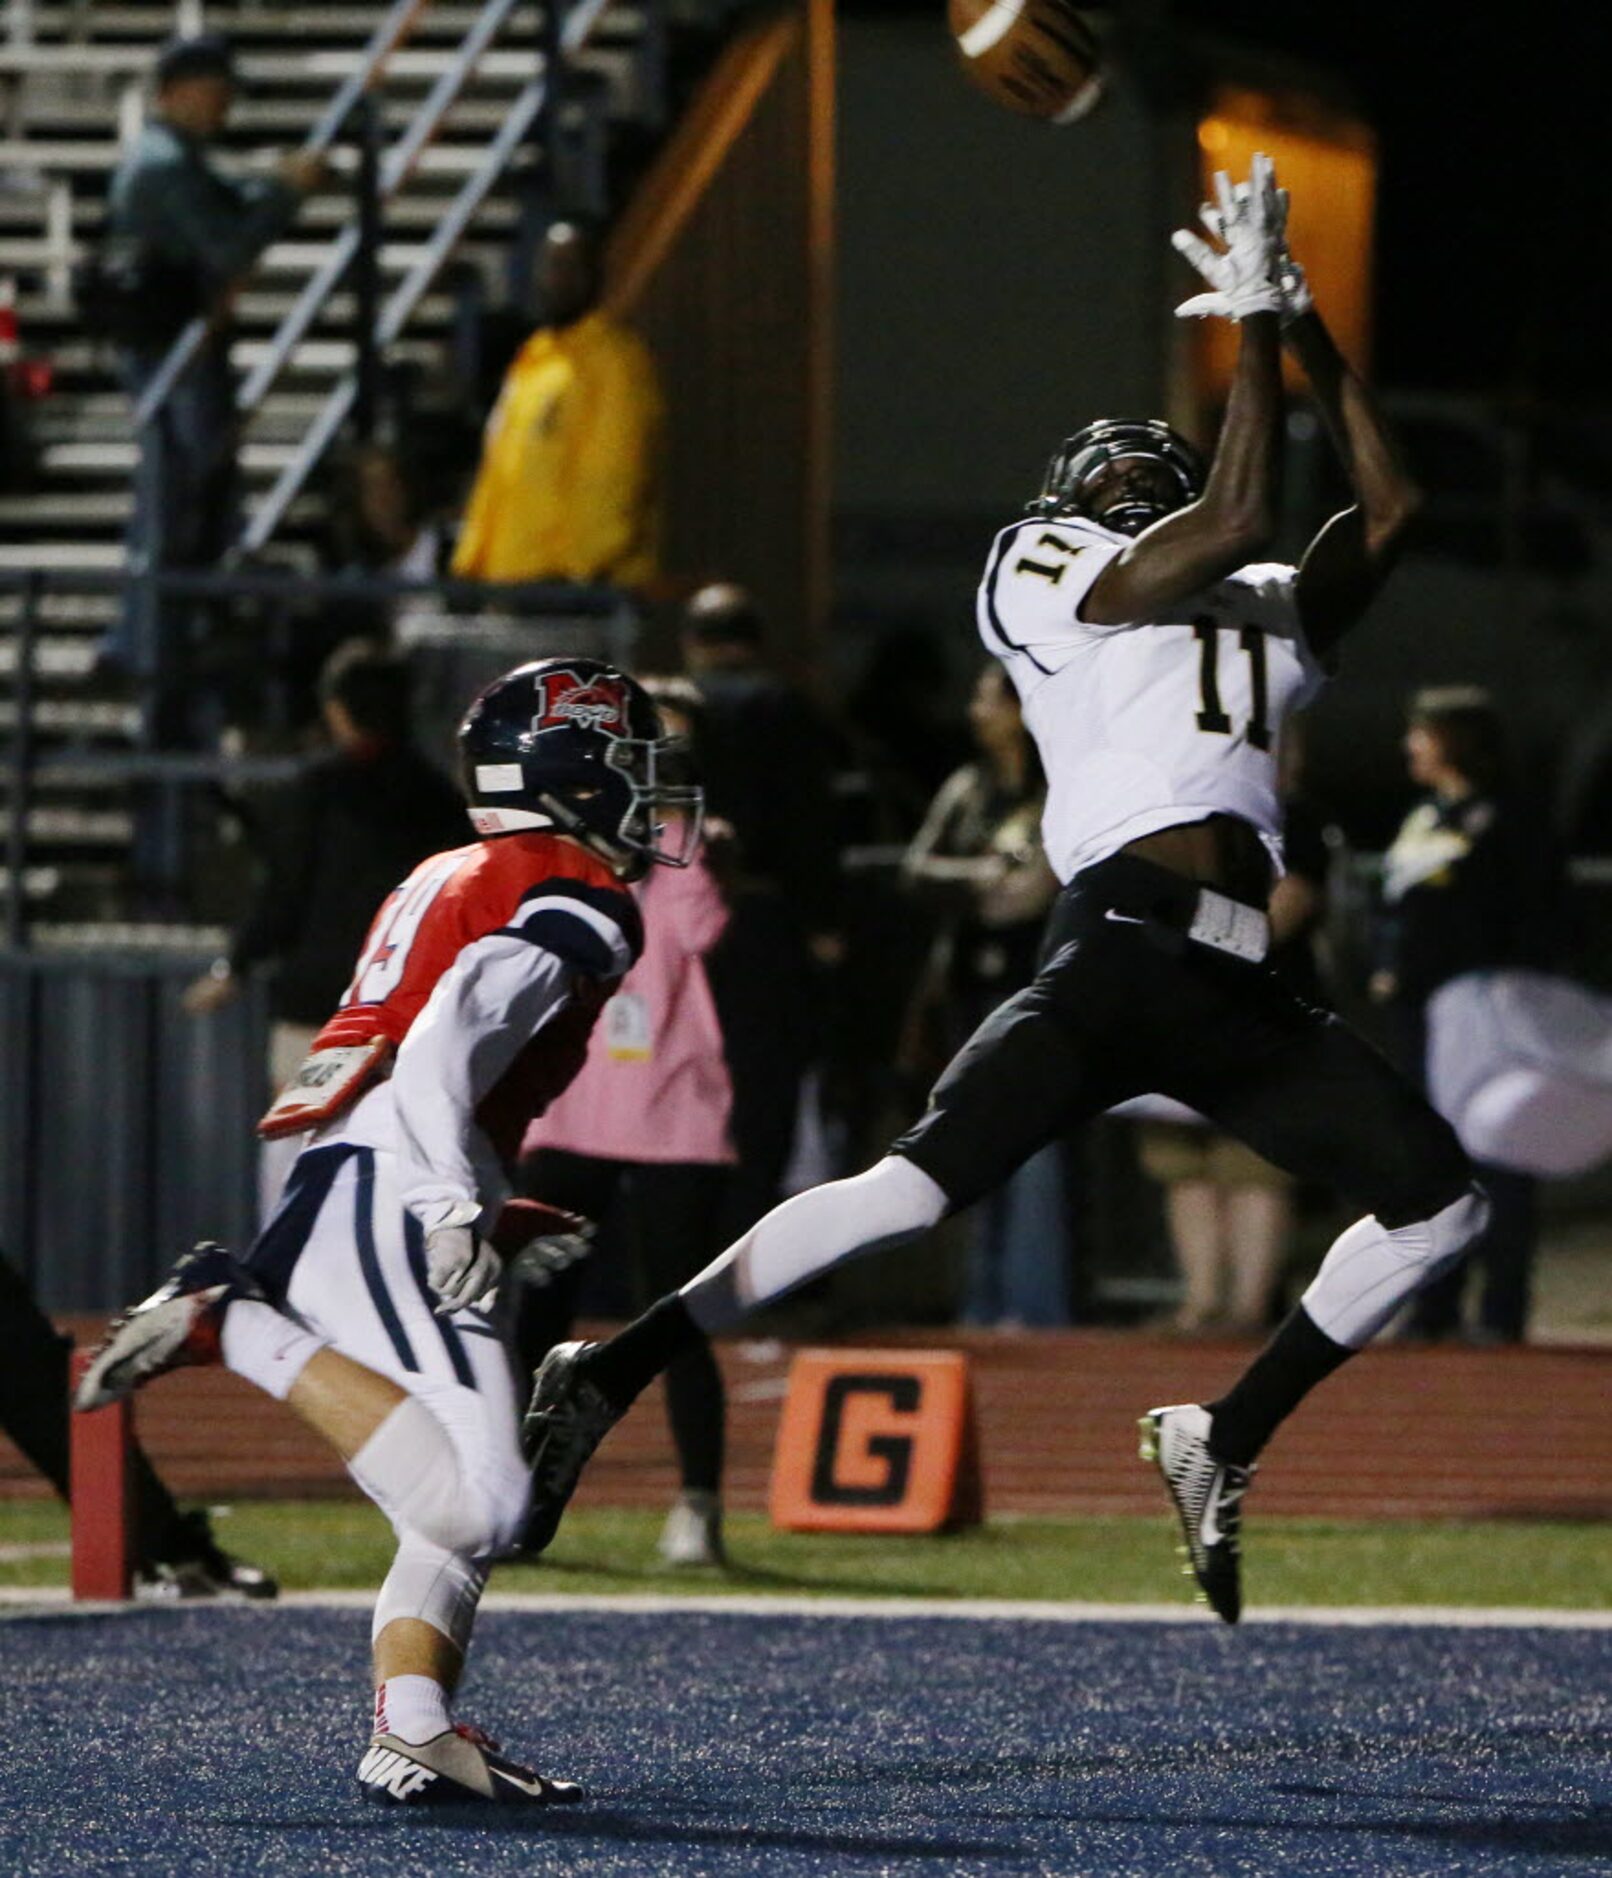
(487, 969)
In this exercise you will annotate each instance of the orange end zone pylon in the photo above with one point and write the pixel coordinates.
(877, 1441)
(101, 1477)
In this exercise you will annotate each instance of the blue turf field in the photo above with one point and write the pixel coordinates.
(222, 1741)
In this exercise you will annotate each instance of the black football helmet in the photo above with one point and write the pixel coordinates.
(577, 746)
(1068, 487)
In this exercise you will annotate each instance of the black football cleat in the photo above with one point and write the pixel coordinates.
(195, 1566)
(1208, 1498)
(178, 1325)
(568, 1417)
(461, 1767)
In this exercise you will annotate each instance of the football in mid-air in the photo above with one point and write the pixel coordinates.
(1038, 57)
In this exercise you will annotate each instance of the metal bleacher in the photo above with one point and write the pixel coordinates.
(72, 92)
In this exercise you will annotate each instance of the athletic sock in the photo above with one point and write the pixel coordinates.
(1279, 1378)
(267, 1347)
(414, 1708)
(633, 1357)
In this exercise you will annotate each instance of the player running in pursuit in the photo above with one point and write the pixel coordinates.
(1157, 658)
(366, 1301)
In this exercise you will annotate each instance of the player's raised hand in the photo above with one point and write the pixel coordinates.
(1292, 283)
(460, 1265)
(1248, 220)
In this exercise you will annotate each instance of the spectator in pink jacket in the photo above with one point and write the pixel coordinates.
(642, 1137)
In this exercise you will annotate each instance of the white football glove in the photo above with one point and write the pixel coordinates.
(1248, 220)
(1292, 283)
(460, 1265)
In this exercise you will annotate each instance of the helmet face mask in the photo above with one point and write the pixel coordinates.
(1123, 474)
(577, 746)
(650, 765)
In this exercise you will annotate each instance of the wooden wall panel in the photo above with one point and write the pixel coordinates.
(722, 263)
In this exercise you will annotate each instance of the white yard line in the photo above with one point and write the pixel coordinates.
(560, 1603)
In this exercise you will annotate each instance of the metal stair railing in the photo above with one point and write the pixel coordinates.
(533, 105)
(513, 617)
(344, 395)
(395, 169)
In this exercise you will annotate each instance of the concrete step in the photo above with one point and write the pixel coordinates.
(119, 457)
(319, 357)
(127, 936)
(414, 208)
(78, 28)
(55, 657)
(293, 257)
(58, 512)
(103, 417)
(66, 717)
(38, 883)
(66, 827)
(98, 157)
(83, 612)
(286, 121)
(67, 556)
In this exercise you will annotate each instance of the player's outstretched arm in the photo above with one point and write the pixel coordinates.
(1231, 523)
(1351, 557)
(1233, 519)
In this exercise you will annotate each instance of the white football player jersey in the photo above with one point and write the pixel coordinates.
(1148, 725)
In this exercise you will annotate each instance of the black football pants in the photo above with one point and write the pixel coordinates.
(1126, 1005)
(34, 1414)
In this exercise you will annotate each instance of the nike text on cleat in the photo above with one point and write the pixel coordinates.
(1207, 1494)
(568, 1417)
(457, 1768)
(177, 1325)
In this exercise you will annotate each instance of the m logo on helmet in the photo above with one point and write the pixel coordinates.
(568, 702)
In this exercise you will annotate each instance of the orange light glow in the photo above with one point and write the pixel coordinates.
(1328, 164)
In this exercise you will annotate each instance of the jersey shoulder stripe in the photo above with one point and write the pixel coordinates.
(452, 901)
(988, 593)
(1061, 541)
(596, 930)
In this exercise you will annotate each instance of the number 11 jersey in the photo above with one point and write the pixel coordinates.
(1151, 724)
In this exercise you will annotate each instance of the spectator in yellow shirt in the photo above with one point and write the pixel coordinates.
(568, 484)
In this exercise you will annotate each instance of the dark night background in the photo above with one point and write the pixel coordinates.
(1493, 219)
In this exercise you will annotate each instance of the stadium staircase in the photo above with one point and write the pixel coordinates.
(72, 88)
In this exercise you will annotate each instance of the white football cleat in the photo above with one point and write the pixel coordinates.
(1208, 1497)
(692, 1534)
(177, 1325)
(459, 1767)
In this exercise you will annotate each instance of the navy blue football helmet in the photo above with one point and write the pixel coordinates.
(576, 746)
(1071, 485)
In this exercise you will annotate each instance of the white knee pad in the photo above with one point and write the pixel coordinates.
(410, 1468)
(1372, 1270)
(434, 1587)
(893, 1201)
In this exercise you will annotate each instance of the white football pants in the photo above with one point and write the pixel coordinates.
(350, 1261)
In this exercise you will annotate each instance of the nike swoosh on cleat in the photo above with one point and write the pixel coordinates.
(533, 1789)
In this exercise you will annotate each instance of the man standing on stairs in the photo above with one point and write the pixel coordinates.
(568, 487)
(180, 233)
